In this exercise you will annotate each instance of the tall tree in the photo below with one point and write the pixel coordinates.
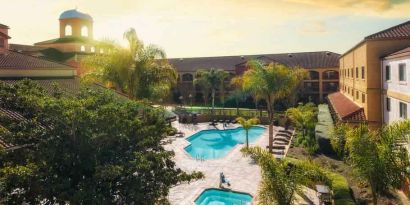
(214, 77)
(247, 125)
(379, 157)
(237, 94)
(94, 148)
(140, 71)
(205, 86)
(271, 82)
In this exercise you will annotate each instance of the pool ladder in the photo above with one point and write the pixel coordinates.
(199, 158)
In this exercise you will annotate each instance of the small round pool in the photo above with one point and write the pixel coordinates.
(222, 197)
(212, 144)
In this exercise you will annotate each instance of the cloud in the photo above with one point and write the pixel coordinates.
(376, 5)
(314, 28)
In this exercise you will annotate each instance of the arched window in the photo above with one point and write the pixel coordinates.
(68, 30)
(187, 77)
(82, 48)
(84, 31)
(101, 50)
(331, 74)
(92, 49)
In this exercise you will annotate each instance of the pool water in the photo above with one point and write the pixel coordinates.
(221, 197)
(213, 144)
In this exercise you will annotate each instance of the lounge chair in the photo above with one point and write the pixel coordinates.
(180, 134)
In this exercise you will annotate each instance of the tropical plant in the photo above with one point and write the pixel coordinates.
(247, 125)
(338, 139)
(237, 94)
(271, 82)
(204, 85)
(304, 117)
(215, 79)
(140, 71)
(94, 148)
(379, 157)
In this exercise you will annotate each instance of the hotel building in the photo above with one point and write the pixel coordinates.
(361, 88)
(322, 66)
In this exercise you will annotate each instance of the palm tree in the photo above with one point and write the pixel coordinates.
(205, 86)
(142, 72)
(237, 94)
(247, 124)
(303, 116)
(379, 156)
(214, 77)
(271, 82)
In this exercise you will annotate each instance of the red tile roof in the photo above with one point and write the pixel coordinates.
(345, 109)
(3, 26)
(398, 31)
(402, 52)
(16, 60)
(320, 59)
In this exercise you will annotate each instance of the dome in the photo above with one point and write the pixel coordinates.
(73, 13)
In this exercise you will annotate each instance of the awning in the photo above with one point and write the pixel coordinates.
(345, 109)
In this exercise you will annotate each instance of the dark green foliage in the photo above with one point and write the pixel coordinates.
(90, 149)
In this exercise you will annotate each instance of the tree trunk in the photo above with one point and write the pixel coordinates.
(213, 101)
(247, 139)
(374, 196)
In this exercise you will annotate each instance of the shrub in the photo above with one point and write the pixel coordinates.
(341, 189)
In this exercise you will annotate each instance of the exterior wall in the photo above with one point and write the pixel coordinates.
(369, 90)
(5, 40)
(76, 25)
(394, 89)
(320, 86)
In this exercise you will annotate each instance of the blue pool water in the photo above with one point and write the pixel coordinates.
(212, 144)
(220, 197)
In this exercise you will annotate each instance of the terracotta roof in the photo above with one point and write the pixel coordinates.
(398, 31)
(321, 59)
(25, 48)
(403, 52)
(16, 60)
(68, 86)
(4, 35)
(3, 26)
(345, 109)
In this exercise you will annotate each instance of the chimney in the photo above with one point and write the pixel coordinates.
(4, 37)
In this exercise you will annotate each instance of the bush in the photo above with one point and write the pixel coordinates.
(341, 189)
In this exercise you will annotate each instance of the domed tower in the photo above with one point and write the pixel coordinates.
(76, 24)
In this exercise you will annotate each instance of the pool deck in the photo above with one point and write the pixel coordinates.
(243, 174)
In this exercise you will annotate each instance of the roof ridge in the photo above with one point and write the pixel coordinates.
(248, 55)
(45, 59)
(387, 29)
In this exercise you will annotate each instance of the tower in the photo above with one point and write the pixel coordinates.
(76, 24)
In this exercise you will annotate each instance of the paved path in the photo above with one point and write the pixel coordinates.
(243, 174)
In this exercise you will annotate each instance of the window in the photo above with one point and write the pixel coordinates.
(1, 42)
(68, 30)
(403, 110)
(388, 104)
(402, 72)
(357, 94)
(101, 50)
(187, 77)
(357, 72)
(351, 74)
(363, 98)
(387, 73)
(348, 73)
(82, 48)
(92, 49)
(84, 31)
(362, 72)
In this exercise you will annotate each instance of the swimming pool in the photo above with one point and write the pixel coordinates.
(221, 197)
(212, 144)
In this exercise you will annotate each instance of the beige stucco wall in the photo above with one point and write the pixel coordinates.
(368, 54)
(9, 73)
(76, 25)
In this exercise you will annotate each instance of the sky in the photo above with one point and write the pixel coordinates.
(192, 28)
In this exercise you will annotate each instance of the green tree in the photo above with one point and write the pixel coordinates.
(237, 94)
(338, 139)
(247, 125)
(271, 82)
(378, 156)
(94, 148)
(304, 117)
(205, 86)
(215, 79)
(140, 71)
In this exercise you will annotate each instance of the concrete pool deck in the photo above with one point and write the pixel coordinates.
(242, 173)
